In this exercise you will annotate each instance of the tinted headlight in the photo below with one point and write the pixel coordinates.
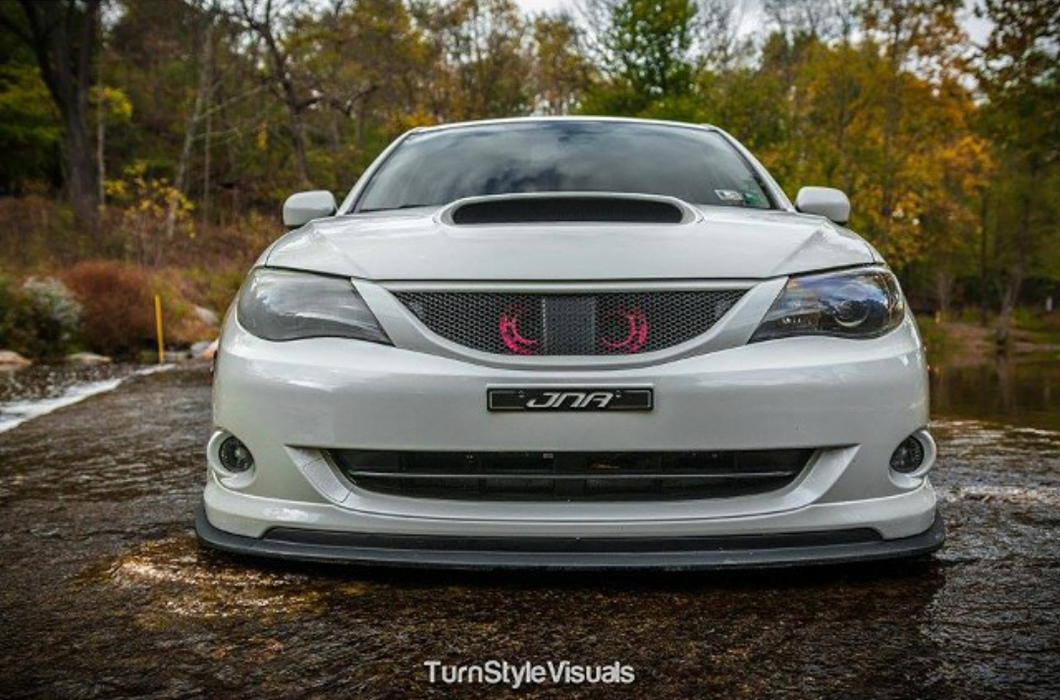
(286, 305)
(850, 304)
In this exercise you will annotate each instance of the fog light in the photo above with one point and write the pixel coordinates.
(235, 456)
(908, 457)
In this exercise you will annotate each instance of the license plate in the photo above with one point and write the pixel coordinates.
(570, 399)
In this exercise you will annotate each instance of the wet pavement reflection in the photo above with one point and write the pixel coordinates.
(105, 593)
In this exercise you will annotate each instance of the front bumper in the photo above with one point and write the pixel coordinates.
(676, 554)
(851, 401)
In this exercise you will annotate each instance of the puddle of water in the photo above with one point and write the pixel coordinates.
(187, 581)
(145, 439)
(124, 580)
(39, 390)
(1023, 393)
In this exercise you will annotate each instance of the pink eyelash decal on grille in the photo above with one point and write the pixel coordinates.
(637, 324)
(513, 340)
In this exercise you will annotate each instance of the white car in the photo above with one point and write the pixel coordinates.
(570, 343)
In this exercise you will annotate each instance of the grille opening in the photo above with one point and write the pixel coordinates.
(571, 476)
(567, 209)
(611, 323)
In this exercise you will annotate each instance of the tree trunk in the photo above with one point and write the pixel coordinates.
(944, 293)
(294, 106)
(265, 24)
(1016, 273)
(1008, 307)
(81, 185)
(982, 257)
(180, 180)
(298, 141)
(101, 139)
(63, 35)
(206, 165)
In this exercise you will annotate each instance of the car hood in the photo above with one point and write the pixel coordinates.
(719, 243)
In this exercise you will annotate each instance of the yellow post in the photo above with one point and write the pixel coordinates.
(158, 328)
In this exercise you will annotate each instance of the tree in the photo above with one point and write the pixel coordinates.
(826, 20)
(267, 20)
(650, 43)
(63, 35)
(562, 73)
(645, 52)
(371, 65)
(1020, 77)
(483, 59)
(30, 130)
(916, 36)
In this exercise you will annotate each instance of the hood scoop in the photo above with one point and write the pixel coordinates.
(568, 207)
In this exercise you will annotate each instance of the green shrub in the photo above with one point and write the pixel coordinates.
(39, 319)
(223, 287)
(12, 311)
(60, 305)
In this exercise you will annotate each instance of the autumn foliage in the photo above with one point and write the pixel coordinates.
(198, 117)
(117, 305)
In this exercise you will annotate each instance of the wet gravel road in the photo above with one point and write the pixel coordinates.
(104, 592)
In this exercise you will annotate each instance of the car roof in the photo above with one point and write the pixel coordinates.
(546, 119)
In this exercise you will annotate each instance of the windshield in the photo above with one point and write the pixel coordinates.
(438, 167)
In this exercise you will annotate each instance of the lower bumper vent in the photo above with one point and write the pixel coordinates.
(571, 476)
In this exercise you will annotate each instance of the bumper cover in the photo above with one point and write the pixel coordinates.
(574, 553)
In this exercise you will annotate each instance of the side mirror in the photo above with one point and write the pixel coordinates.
(830, 203)
(303, 207)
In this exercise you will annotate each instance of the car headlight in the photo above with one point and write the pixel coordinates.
(285, 305)
(850, 304)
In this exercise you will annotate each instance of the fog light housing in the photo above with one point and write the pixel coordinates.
(235, 457)
(908, 457)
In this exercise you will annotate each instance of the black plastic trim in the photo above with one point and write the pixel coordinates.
(566, 208)
(574, 553)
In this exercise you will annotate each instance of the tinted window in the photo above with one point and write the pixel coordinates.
(438, 167)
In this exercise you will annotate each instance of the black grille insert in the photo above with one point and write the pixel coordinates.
(609, 323)
(571, 476)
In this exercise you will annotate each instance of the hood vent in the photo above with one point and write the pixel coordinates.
(521, 209)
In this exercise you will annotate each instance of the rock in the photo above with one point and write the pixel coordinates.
(205, 315)
(9, 359)
(87, 358)
(147, 357)
(177, 355)
(204, 349)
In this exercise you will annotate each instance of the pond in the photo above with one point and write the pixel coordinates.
(1020, 393)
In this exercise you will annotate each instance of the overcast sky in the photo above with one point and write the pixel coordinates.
(537, 5)
(976, 28)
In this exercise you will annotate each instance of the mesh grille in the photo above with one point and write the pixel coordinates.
(613, 323)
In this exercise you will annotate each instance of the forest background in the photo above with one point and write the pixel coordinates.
(146, 145)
